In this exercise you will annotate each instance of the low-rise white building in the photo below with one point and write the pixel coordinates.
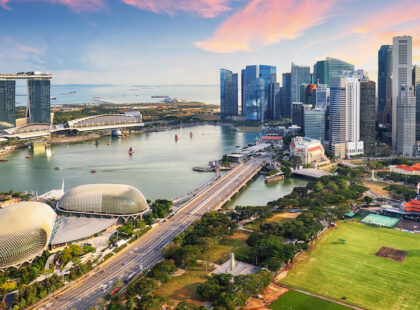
(309, 150)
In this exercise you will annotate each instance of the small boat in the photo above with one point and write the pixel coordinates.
(53, 98)
(130, 151)
(29, 157)
(72, 91)
(92, 171)
(4, 160)
(191, 134)
(176, 138)
(56, 168)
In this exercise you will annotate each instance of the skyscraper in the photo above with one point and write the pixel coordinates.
(286, 95)
(274, 101)
(406, 121)
(345, 115)
(228, 93)
(322, 96)
(418, 113)
(255, 100)
(401, 75)
(268, 74)
(325, 70)
(416, 76)
(38, 110)
(385, 85)
(7, 101)
(314, 124)
(299, 75)
(297, 114)
(367, 116)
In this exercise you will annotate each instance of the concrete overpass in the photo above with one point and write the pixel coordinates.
(146, 252)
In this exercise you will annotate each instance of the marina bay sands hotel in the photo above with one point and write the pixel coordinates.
(38, 106)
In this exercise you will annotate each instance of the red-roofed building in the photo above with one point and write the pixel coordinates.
(405, 169)
(273, 139)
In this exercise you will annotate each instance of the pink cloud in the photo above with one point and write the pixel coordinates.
(390, 17)
(28, 49)
(205, 8)
(75, 5)
(266, 22)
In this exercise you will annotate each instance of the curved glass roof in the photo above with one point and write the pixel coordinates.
(113, 199)
(25, 229)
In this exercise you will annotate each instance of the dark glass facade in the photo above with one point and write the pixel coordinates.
(297, 114)
(325, 70)
(255, 100)
(39, 101)
(7, 101)
(285, 95)
(367, 116)
(228, 93)
(385, 84)
(299, 75)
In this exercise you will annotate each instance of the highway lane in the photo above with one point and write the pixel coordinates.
(147, 252)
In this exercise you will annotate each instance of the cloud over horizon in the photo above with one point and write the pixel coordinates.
(77, 6)
(266, 22)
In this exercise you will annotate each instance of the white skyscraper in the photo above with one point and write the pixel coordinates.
(401, 75)
(406, 121)
(345, 114)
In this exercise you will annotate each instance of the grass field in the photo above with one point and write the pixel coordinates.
(377, 187)
(279, 218)
(185, 285)
(220, 253)
(293, 300)
(351, 272)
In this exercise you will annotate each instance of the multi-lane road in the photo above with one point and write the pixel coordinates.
(147, 252)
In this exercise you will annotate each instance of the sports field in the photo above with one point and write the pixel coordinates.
(299, 301)
(350, 271)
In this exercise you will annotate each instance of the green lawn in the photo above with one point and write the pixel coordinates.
(220, 253)
(351, 272)
(293, 300)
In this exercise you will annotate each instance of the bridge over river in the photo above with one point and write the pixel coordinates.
(146, 252)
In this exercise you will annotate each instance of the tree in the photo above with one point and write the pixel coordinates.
(368, 200)
(185, 305)
(287, 171)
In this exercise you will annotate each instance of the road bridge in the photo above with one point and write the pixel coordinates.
(147, 252)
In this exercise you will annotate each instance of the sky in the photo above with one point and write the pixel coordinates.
(188, 41)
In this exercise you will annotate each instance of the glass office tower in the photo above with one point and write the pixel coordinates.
(255, 100)
(325, 70)
(315, 124)
(38, 109)
(299, 75)
(7, 101)
(384, 84)
(228, 93)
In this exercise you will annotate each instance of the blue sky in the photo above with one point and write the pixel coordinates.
(187, 41)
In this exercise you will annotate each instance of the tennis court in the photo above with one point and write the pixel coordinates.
(380, 220)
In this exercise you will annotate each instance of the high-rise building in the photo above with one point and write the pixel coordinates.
(345, 116)
(385, 85)
(255, 100)
(418, 113)
(367, 116)
(315, 124)
(325, 70)
(268, 74)
(401, 75)
(416, 76)
(299, 75)
(38, 110)
(243, 72)
(228, 93)
(7, 101)
(322, 96)
(286, 95)
(406, 121)
(274, 101)
(297, 114)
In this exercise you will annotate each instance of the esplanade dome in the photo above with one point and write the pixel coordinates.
(25, 230)
(106, 199)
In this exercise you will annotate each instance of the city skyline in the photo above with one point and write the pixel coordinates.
(99, 41)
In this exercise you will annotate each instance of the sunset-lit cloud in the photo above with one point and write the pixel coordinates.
(389, 17)
(266, 22)
(204, 8)
(75, 5)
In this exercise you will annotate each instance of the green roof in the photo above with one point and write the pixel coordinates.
(349, 214)
(380, 220)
